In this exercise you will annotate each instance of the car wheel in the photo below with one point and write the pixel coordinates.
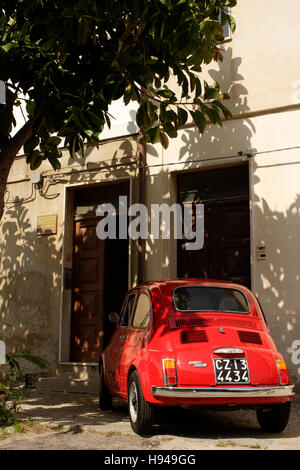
(105, 399)
(274, 419)
(141, 413)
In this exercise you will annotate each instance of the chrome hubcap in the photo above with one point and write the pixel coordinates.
(133, 402)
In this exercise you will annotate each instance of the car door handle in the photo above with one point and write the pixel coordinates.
(123, 337)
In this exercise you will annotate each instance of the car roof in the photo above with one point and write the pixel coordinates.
(166, 286)
(188, 282)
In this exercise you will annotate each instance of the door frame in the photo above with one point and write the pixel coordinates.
(67, 264)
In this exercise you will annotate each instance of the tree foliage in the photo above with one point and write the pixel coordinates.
(72, 58)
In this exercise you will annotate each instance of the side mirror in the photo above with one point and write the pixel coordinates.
(113, 317)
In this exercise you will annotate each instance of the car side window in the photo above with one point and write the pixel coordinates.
(142, 312)
(127, 310)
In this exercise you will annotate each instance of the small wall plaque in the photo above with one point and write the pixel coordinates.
(47, 224)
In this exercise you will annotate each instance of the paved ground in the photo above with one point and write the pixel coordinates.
(72, 421)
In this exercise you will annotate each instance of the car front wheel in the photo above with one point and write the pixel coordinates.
(275, 418)
(141, 413)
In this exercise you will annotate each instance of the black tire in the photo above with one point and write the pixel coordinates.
(275, 418)
(105, 399)
(141, 413)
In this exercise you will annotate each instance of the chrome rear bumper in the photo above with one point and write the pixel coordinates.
(223, 392)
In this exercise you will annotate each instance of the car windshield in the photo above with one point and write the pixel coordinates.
(210, 299)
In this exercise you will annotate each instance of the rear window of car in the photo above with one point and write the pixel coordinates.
(209, 299)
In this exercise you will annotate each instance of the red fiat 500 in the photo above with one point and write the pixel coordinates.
(194, 342)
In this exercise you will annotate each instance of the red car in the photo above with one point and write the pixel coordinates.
(194, 342)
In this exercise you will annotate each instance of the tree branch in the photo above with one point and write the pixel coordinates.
(8, 153)
(16, 142)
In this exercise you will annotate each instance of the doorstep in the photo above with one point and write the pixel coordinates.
(68, 385)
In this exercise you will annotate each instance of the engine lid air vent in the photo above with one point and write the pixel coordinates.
(249, 337)
(215, 321)
(194, 336)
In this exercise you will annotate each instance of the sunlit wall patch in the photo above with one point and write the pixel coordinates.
(2, 352)
(2, 92)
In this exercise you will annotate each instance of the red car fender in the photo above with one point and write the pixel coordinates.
(150, 373)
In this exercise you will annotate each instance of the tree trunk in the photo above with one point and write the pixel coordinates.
(7, 155)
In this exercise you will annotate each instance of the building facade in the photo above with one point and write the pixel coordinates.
(60, 281)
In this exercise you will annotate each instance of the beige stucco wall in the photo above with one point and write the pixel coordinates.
(31, 265)
(260, 70)
(263, 78)
(264, 49)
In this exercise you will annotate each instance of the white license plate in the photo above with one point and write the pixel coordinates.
(231, 371)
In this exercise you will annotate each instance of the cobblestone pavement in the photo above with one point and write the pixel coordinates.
(73, 421)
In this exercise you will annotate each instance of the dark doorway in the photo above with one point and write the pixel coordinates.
(226, 251)
(100, 274)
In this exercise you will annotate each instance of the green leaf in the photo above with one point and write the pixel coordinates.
(30, 108)
(107, 120)
(30, 145)
(170, 129)
(212, 91)
(227, 113)
(164, 140)
(74, 145)
(151, 109)
(182, 117)
(118, 90)
(37, 360)
(199, 120)
(7, 47)
(168, 94)
(196, 68)
(15, 369)
(152, 60)
(95, 119)
(157, 82)
(81, 145)
(66, 131)
(198, 87)
(224, 18)
(2, 21)
(54, 140)
(35, 160)
(154, 134)
(232, 23)
(171, 116)
(142, 116)
(55, 163)
(214, 116)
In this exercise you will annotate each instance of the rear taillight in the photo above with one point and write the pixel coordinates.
(169, 371)
(284, 375)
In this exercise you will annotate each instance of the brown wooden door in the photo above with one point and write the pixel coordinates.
(226, 251)
(234, 242)
(88, 293)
